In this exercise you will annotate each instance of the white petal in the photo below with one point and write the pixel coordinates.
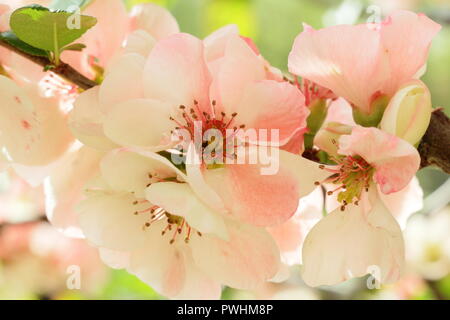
(141, 122)
(179, 199)
(246, 261)
(123, 81)
(127, 171)
(64, 187)
(352, 243)
(404, 203)
(115, 259)
(86, 121)
(108, 220)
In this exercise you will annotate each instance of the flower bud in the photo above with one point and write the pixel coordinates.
(408, 113)
(327, 138)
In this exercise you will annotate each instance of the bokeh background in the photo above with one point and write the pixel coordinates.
(34, 258)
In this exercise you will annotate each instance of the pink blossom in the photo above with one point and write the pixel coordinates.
(372, 183)
(176, 86)
(363, 62)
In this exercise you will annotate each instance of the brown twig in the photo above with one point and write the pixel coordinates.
(63, 69)
(434, 148)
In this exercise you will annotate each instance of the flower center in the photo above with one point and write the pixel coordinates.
(217, 131)
(176, 225)
(352, 175)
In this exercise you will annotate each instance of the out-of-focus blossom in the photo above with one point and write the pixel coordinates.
(33, 129)
(19, 201)
(428, 244)
(35, 259)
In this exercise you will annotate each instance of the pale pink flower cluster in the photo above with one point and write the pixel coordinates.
(187, 229)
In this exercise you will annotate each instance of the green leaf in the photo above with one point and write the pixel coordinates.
(49, 30)
(13, 40)
(74, 47)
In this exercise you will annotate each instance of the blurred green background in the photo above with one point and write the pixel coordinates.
(273, 25)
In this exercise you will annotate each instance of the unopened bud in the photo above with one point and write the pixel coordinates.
(408, 113)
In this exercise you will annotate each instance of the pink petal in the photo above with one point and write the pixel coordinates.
(271, 105)
(33, 129)
(264, 200)
(238, 68)
(101, 42)
(395, 160)
(406, 38)
(216, 42)
(176, 72)
(155, 20)
(345, 59)
(115, 88)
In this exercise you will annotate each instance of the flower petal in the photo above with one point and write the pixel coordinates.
(159, 264)
(114, 259)
(179, 199)
(128, 171)
(33, 129)
(290, 235)
(404, 203)
(176, 72)
(86, 121)
(345, 59)
(64, 187)
(108, 220)
(352, 243)
(216, 42)
(247, 260)
(271, 105)
(115, 88)
(239, 67)
(265, 195)
(155, 20)
(406, 37)
(141, 122)
(395, 160)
